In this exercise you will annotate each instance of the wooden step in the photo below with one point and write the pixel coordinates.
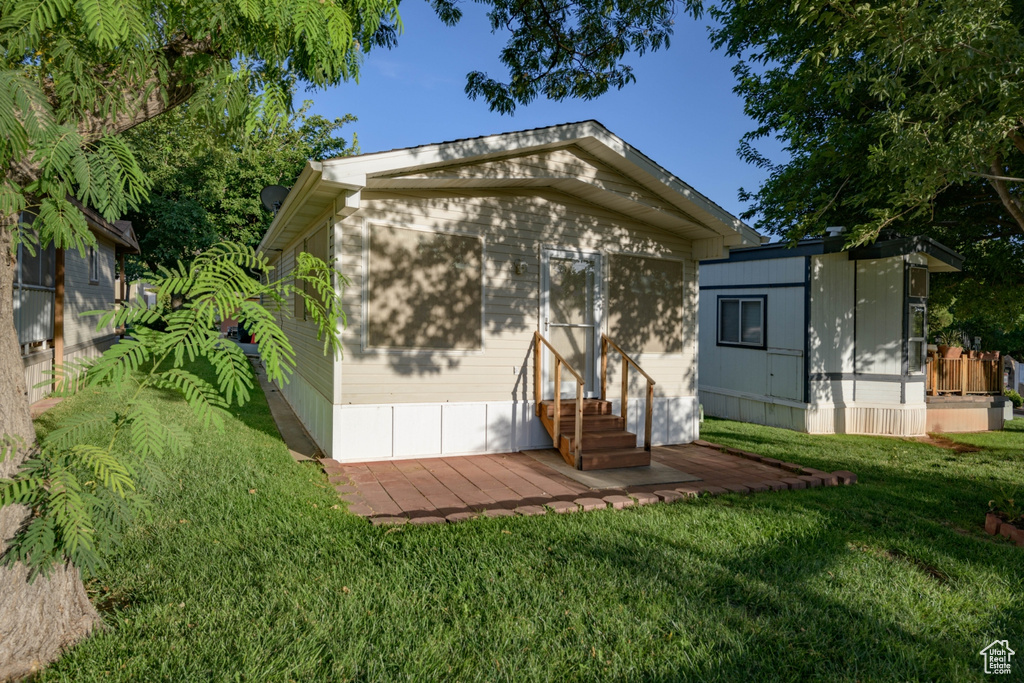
(591, 406)
(593, 423)
(598, 440)
(615, 458)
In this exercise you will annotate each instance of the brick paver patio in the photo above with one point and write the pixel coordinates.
(436, 490)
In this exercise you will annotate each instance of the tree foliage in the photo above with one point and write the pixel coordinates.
(568, 48)
(206, 179)
(902, 116)
(84, 481)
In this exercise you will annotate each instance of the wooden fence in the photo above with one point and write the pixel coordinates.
(964, 376)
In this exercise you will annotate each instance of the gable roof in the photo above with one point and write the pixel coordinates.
(120, 232)
(663, 200)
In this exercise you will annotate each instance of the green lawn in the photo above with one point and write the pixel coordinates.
(890, 579)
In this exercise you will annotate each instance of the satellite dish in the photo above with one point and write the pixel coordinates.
(273, 196)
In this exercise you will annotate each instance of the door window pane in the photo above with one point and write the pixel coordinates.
(916, 351)
(570, 298)
(917, 321)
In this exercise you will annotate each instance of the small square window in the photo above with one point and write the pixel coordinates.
(741, 321)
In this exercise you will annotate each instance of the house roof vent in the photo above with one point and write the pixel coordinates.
(835, 230)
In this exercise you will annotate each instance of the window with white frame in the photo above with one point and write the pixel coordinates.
(741, 321)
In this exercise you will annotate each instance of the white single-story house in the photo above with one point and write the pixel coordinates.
(55, 286)
(464, 257)
(817, 339)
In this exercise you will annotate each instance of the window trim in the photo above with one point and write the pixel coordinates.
(763, 299)
(93, 263)
(927, 282)
(364, 330)
(923, 339)
(909, 304)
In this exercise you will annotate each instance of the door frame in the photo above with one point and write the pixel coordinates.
(547, 367)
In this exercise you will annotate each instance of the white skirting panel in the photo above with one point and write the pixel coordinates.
(899, 420)
(825, 418)
(418, 430)
(312, 409)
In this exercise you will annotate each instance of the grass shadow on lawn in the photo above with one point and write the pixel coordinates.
(248, 571)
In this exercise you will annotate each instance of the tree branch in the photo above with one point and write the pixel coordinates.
(1004, 194)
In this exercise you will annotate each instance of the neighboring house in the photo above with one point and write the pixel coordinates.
(820, 340)
(459, 252)
(55, 286)
(1013, 371)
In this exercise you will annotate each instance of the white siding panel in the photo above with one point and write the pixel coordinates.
(363, 433)
(417, 430)
(880, 317)
(80, 295)
(464, 428)
(501, 420)
(782, 270)
(832, 313)
(878, 392)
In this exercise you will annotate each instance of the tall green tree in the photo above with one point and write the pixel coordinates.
(905, 115)
(206, 179)
(76, 75)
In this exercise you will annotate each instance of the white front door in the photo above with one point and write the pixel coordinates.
(571, 316)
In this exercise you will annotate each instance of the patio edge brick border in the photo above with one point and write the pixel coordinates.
(803, 478)
(994, 526)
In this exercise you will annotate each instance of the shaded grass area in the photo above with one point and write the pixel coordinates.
(890, 579)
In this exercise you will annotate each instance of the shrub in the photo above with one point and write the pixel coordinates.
(1014, 397)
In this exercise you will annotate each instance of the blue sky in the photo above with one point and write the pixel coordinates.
(681, 112)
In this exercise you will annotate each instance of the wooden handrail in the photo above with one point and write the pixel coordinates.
(568, 365)
(625, 356)
(556, 420)
(624, 401)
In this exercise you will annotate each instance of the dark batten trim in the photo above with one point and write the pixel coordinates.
(780, 250)
(865, 377)
(763, 285)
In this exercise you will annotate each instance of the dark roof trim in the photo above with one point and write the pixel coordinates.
(120, 232)
(781, 250)
(831, 245)
(908, 245)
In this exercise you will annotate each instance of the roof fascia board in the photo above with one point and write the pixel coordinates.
(909, 245)
(774, 251)
(640, 161)
(304, 184)
(502, 145)
(417, 158)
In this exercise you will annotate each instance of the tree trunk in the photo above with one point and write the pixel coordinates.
(38, 619)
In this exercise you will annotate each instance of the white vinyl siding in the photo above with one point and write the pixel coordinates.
(880, 317)
(87, 291)
(514, 226)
